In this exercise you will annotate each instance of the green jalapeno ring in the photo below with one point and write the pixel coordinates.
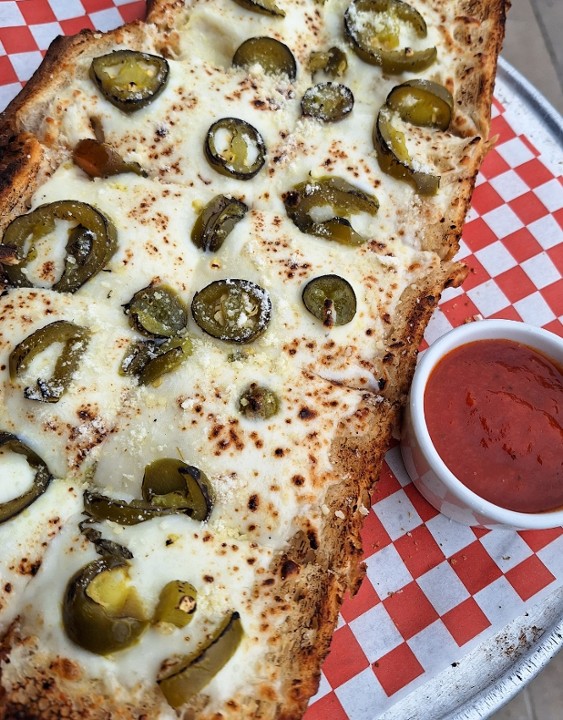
(157, 311)
(344, 199)
(362, 35)
(423, 103)
(133, 512)
(232, 310)
(216, 221)
(149, 360)
(129, 79)
(88, 249)
(92, 626)
(264, 7)
(195, 671)
(75, 340)
(138, 354)
(332, 61)
(170, 355)
(233, 160)
(171, 483)
(331, 299)
(41, 480)
(394, 158)
(272, 55)
(328, 102)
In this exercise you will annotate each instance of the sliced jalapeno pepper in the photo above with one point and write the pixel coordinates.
(149, 360)
(235, 148)
(101, 507)
(195, 671)
(341, 197)
(328, 102)
(394, 157)
(92, 241)
(216, 221)
(102, 612)
(138, 354)
(331, 299)
(232, 310)
(258, 402)
(264, 7)
(373, 27)
(171, 354)
(103, 547)
(128, 79)
(177, 603)
(332, 61)
(157, 311)
(171, 483)
(423, 103)
(74, 338)
(41, 480)
(272, 55)
(98, 159)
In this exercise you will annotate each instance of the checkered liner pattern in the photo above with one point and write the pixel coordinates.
(434, 589)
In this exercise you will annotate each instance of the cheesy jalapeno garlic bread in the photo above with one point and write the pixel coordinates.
(223, 232)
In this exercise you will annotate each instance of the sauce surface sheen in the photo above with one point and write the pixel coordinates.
(493, 410)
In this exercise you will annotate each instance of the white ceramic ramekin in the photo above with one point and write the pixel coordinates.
(428, 471)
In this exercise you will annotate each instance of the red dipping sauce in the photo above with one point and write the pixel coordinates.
(494, 411)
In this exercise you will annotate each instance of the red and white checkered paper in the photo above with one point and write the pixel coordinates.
(434, 589)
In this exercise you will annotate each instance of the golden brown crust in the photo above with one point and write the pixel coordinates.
(21, 160)
(312, 573)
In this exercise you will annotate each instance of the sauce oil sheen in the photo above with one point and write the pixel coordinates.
(494, 412)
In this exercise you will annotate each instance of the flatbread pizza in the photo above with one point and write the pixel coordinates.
(224, 231)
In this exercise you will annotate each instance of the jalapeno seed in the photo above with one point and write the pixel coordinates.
(331, 299)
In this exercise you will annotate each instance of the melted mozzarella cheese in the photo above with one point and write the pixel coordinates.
(269, 478)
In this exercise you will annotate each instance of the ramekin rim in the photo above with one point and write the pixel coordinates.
(478, 330)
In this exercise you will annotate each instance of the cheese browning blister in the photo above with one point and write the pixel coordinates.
(225, 231)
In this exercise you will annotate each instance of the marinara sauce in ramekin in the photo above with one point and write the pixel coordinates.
(483, 436)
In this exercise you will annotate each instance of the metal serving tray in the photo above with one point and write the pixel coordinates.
(494, 672)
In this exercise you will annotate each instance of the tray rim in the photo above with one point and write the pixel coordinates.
(489, 691)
